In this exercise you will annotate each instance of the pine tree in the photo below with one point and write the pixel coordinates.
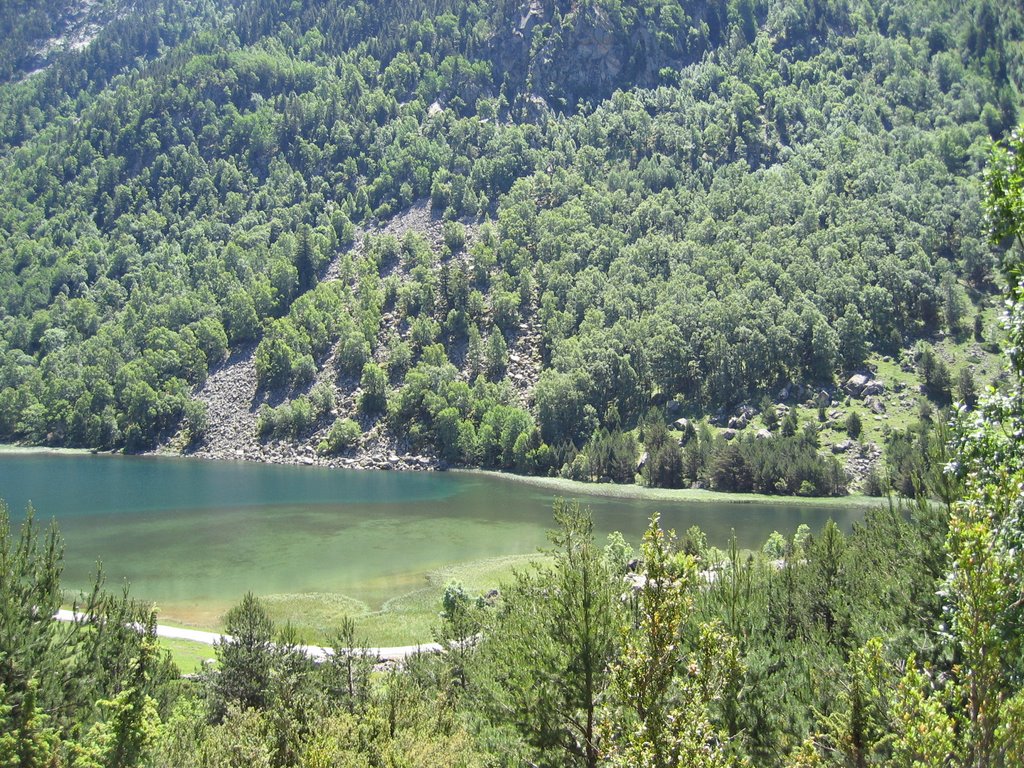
(245, 658)
(544, 659)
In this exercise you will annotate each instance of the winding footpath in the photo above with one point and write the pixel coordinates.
(315, 652)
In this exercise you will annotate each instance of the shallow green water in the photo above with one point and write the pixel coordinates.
(193, 536)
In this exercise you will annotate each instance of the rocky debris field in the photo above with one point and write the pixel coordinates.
(232, 402)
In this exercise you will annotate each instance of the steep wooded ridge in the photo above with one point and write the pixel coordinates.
(593, 239)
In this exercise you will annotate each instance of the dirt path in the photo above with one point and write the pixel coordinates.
(315, 652)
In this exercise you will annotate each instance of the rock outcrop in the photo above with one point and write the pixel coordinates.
(558, 53)
(861, 385)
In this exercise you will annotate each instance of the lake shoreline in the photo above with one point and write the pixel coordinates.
(568, 488)
(561, 486)
(29, 449)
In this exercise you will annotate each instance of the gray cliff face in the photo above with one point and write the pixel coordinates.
(58, 27)
(564, 53)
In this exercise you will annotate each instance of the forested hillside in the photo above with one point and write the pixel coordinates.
(631, 212)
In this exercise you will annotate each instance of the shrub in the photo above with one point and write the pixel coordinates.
(374, 383)
(874, 483)
(344, 435)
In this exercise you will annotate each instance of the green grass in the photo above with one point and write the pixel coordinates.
(314, 615)
(188, 655)
(414, 616)
(901, 399)
(403, 620)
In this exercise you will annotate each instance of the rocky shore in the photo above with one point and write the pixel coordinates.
(232, 406)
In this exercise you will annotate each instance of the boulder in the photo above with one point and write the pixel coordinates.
(643, 461)
(876, 405)
(738, 422)
(873, 387)
(729, 433)
(855, 384)
(681, 424)
(763, 434)
(842, 447)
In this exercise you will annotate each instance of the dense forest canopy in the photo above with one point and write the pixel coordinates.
(640, 207)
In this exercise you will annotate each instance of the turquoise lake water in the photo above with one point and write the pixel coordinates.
(194, 536)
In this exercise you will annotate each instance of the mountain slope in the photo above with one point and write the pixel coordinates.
(671, 210)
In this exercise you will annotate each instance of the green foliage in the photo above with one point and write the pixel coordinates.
(664, 465)
(125, 737)
(966, 388)
(291, 418)
(786, 465)
(244, 660)
(700, 222)
(55, 677)
(343, 436)
(609, 456)
(666, 674)
(374, 386)
(347, 672)
(26, 740)
(775, 547)
(925, 734)
(970, 714)
(617, 553)
(935, 373)
(728, 198)
(544, 656)
(915, 459)
(853, 425)
(496, 356)
(465, 424)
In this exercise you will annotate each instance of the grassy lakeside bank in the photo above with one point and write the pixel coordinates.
(577, 489)
(14, 448)
(405, 619)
